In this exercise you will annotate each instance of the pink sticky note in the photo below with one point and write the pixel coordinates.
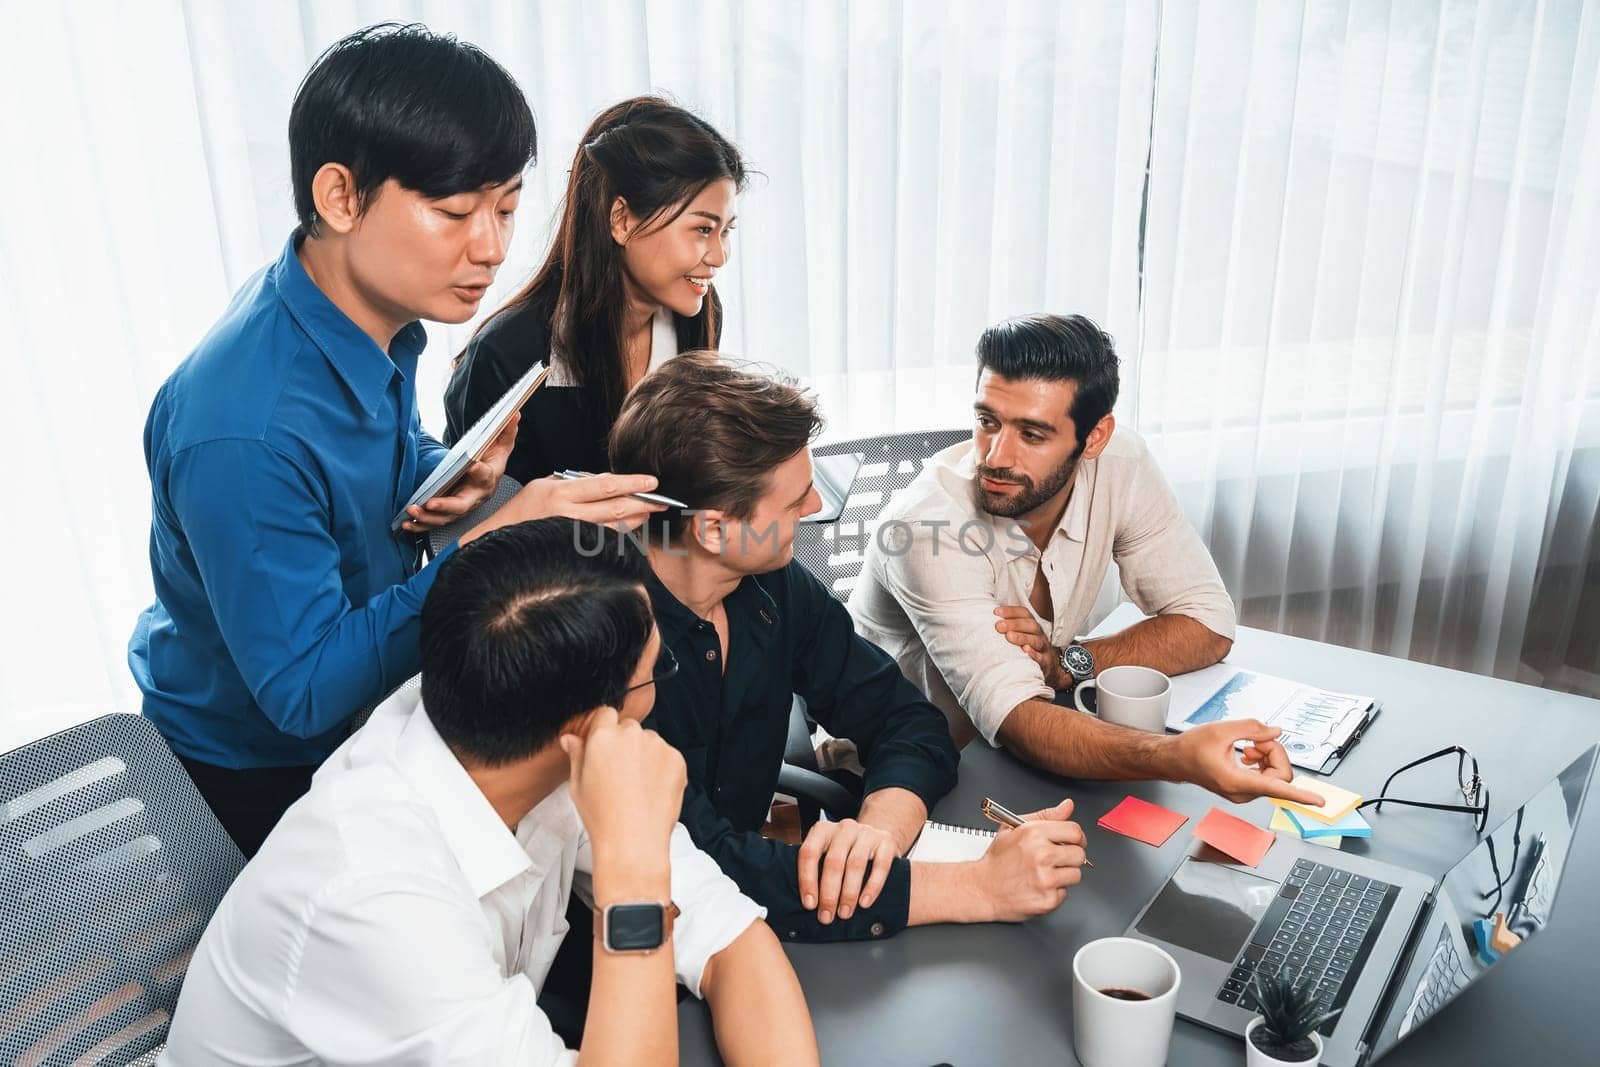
(1243, 841)
(1143, 821)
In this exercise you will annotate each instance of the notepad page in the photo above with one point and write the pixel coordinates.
(942, 843)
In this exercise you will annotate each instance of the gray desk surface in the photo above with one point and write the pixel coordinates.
(1001, 994)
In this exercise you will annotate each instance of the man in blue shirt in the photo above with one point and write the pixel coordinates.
(281, 449)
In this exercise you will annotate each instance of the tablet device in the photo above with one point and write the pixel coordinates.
(476, 441)
(834, 476)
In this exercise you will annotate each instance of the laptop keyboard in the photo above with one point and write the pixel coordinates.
(1319, 929)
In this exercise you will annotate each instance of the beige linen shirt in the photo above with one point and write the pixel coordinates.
(938, 566)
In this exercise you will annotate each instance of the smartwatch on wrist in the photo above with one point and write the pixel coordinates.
(1078, 662)
(635, 926)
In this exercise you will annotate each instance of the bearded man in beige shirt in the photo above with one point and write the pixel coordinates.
(987, 565)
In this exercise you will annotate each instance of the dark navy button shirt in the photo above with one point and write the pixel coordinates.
(279, 452)
(788, 635)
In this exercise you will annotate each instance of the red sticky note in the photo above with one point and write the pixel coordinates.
(1244, 841)
(1143, 821)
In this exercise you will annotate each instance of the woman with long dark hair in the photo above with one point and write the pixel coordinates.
(645, 225)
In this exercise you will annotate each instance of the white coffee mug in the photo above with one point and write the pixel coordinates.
(1129, 696)
(1111, 1032)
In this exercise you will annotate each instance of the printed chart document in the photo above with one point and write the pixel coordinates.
(1319, 726)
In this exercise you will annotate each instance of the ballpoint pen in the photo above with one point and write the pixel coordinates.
(648, 498)
(998, 812)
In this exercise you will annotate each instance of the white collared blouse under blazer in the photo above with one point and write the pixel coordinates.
(391, 918)
(939, 565)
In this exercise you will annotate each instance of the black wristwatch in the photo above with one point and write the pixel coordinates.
(637, 926)
(1078, 662)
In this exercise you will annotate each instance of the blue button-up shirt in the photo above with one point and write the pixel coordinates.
(279, 452)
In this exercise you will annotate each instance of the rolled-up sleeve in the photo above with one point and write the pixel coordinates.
(1165, 567)
(713, 911)
(945, 582)
(259, 530)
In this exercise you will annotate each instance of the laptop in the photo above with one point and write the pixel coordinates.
(1386, 945)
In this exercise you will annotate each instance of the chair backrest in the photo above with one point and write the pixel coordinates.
(439, 540)
(835, 551)
(111, 864)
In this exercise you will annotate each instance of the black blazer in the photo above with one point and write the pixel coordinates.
(558, 430)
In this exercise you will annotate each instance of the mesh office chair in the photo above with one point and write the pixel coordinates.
(439, 540)
(835, 552)
(111, 865)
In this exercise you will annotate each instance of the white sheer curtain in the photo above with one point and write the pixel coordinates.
(1366, 253)
(1372, 356)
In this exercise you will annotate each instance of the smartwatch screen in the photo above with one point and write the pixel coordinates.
(630, 927)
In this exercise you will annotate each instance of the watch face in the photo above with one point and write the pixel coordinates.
(1077, 659)
(631, 927)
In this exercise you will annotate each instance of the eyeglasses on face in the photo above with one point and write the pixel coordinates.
(666, 667)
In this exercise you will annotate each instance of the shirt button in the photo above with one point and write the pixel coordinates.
(792, 935)
(876, 930)
(711, 655)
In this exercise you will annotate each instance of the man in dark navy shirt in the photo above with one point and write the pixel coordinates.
(749, 628)
(281, 449)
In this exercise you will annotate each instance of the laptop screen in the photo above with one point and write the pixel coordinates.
(1498, 896)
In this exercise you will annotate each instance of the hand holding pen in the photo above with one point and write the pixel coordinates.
(648, 498)
(997, 812)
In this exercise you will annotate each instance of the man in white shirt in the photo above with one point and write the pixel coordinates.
(407, 909)
(988, 564)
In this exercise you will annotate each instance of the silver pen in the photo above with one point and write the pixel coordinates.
(648, 498)
(998, 812)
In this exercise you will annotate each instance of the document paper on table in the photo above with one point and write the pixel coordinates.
(1316, 723)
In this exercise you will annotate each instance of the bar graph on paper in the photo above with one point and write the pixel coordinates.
(1315, 722)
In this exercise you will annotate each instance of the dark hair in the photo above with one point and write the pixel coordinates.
(527, 627)
(710, 433)
(391, 101)
(1056, 348)
(657, 157)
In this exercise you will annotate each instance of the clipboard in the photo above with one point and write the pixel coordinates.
(475, 442)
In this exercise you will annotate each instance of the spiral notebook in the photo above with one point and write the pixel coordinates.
(942, 843)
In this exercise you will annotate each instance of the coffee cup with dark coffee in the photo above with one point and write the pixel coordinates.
(1124, 1002)
(1117, 993)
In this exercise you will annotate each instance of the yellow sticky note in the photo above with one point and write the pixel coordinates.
(1281, 821)
(1336, 802)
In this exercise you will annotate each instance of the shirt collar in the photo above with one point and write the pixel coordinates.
(1075, 520)
(364, 367)
(486, 850)
(749, 601)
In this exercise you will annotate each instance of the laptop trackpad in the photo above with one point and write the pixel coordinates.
(1209, 908)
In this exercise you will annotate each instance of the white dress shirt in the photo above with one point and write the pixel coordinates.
(939, 566)
(391, 918)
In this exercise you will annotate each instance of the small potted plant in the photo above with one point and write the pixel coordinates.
(1286, 1030)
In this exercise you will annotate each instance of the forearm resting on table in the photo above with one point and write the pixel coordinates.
(633, 1003)
(899, 811)
(757, 1007)
(1172, 644)
(947, 893)
(1068, 742)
